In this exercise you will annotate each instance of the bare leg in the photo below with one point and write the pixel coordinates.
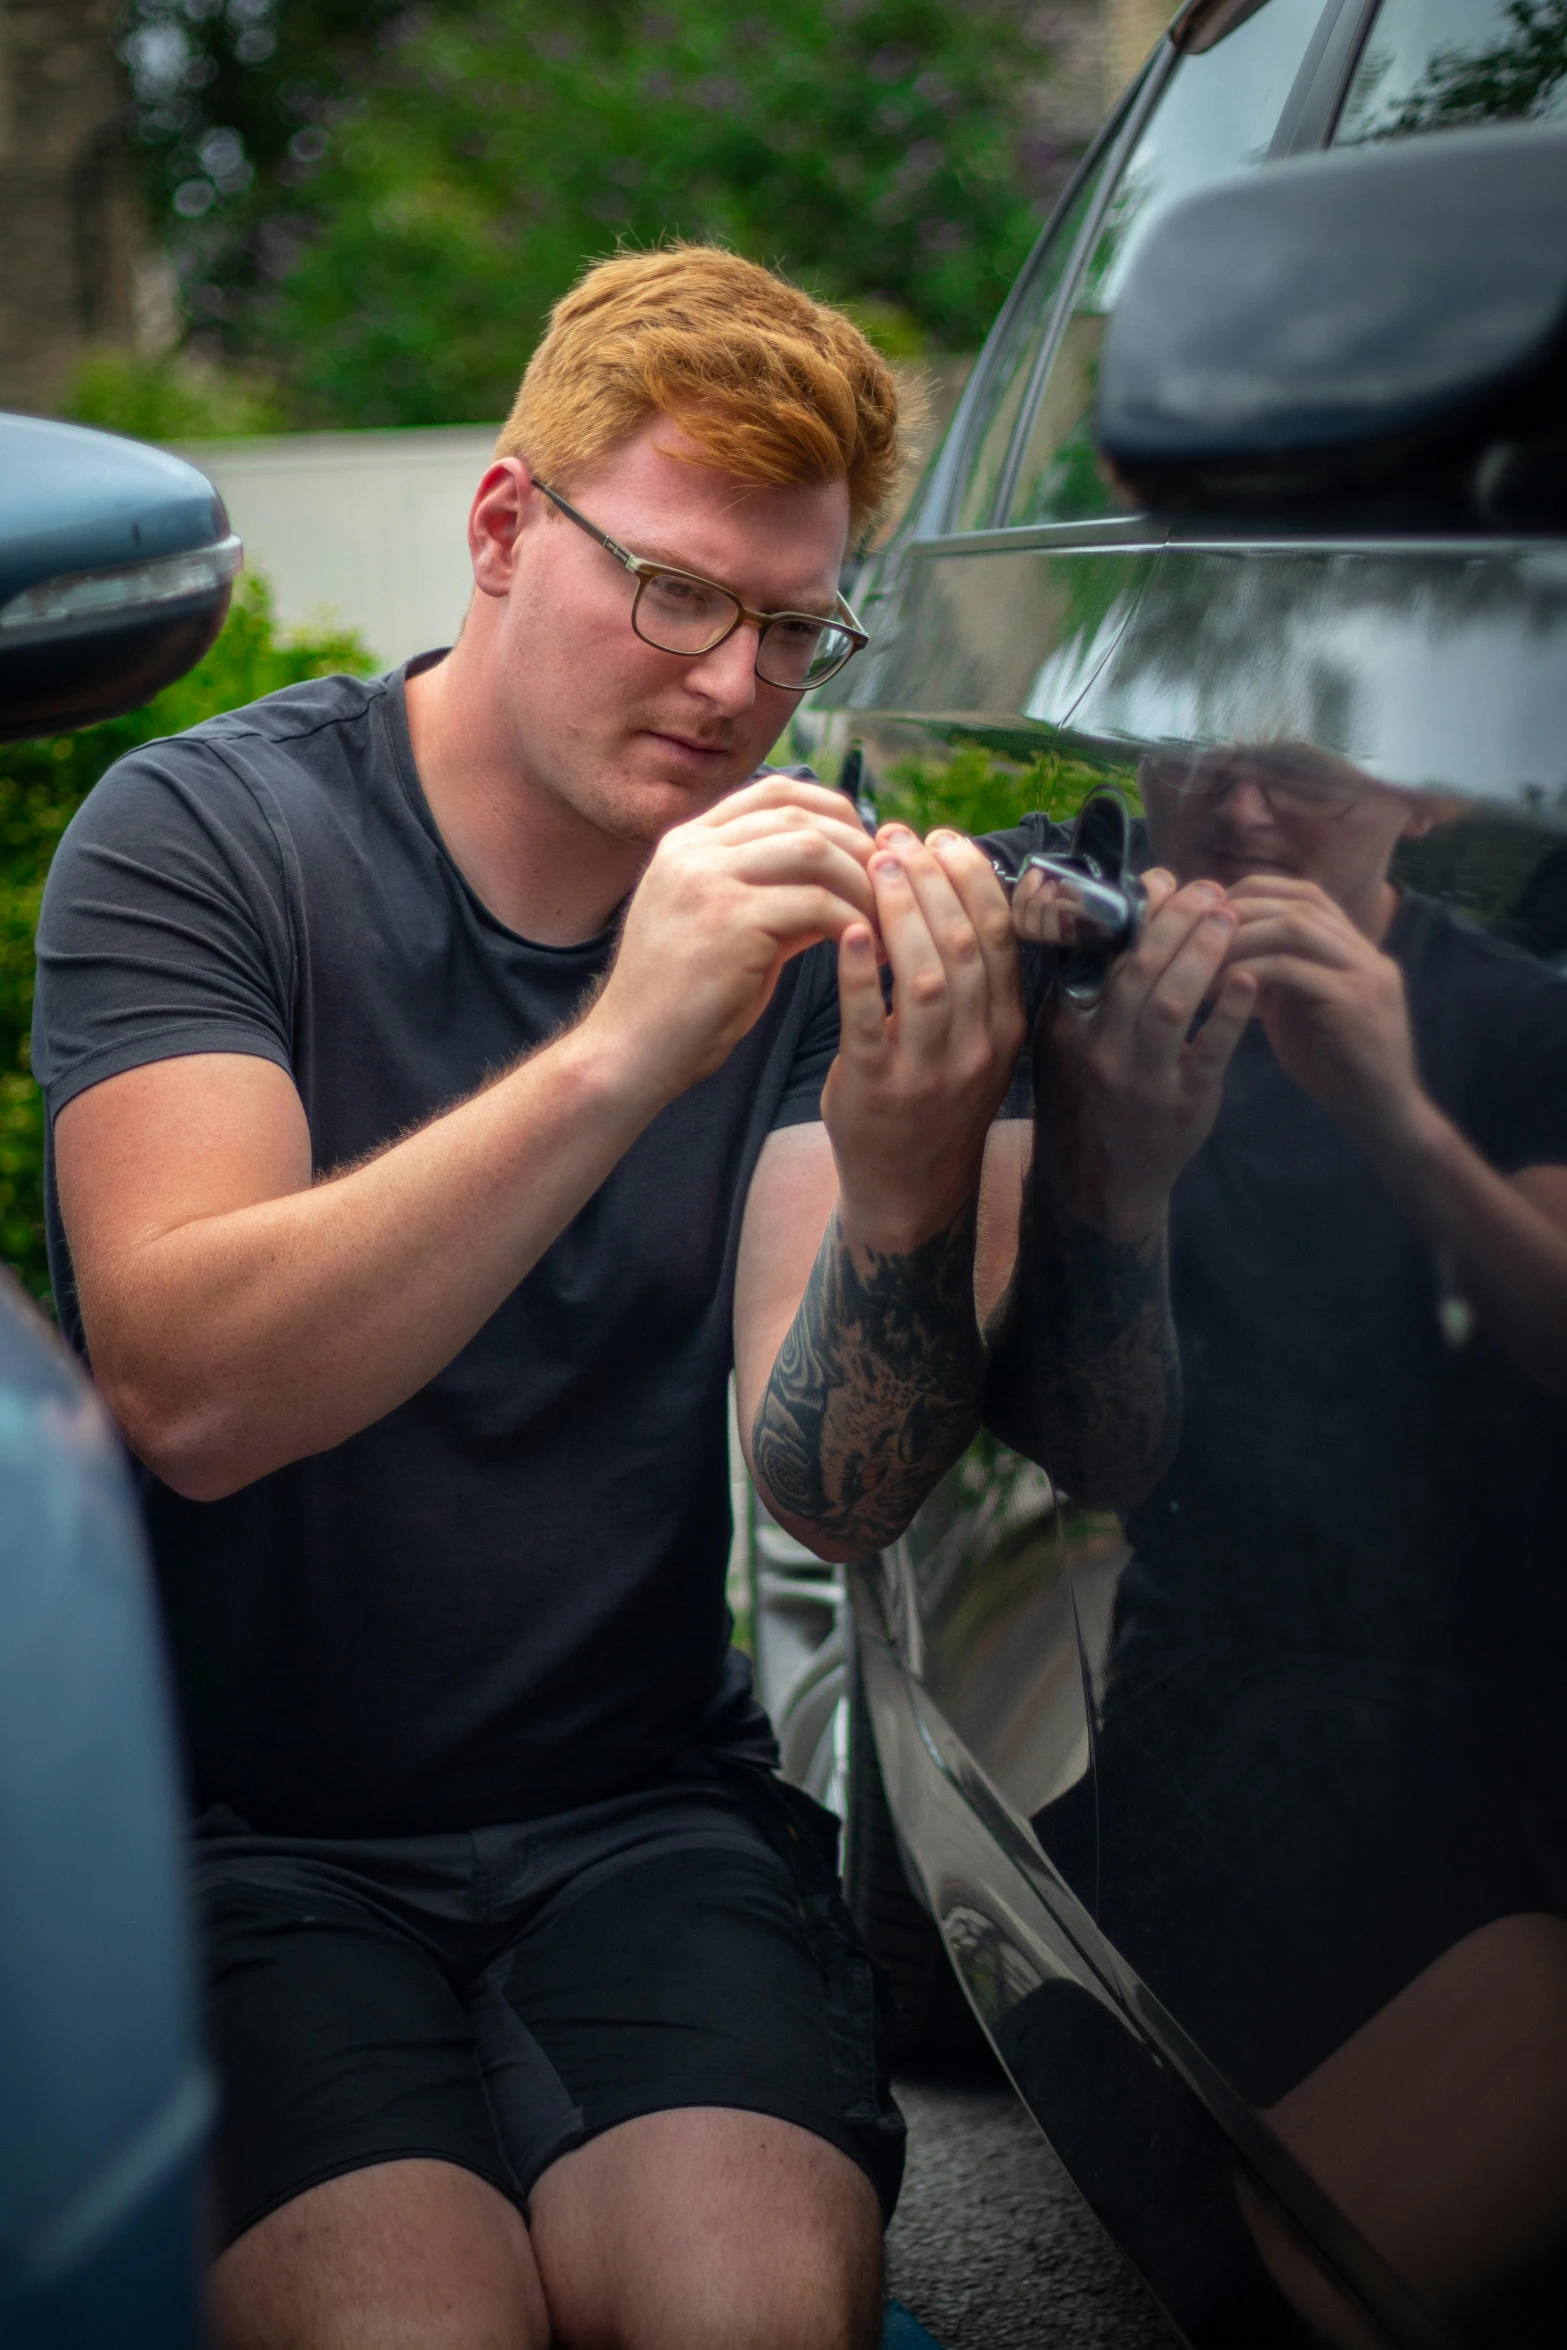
(709, 2229)
(417, 2255)
(1440, 2127)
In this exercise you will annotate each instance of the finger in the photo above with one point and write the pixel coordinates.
(1287, 934)
(777, 791)
(920, 999)
(800, 915)
(1172, 1003)
(1313, 982)
(952, 932)
(760, 823)
(1158, 885)
(1281, 885)
(862, 1013)
(1136, 975)
(984, 901)
(781, 859)
(1211, 1049)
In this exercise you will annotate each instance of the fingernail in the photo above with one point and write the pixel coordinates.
(943, 833)
(890, 868)
(1207, 889)
(1222, 918)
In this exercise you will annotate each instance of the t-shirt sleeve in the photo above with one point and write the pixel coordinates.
(817, 1049)
(165, 927)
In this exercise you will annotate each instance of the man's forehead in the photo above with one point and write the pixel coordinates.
(659, 494)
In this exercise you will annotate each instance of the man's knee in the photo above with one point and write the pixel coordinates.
(708, 2229)
(415, 2255)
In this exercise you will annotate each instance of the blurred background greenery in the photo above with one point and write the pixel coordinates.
(369, 207)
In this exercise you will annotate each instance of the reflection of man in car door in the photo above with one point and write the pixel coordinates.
(1304, 1795)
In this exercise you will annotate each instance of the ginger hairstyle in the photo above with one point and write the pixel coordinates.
(771, 386)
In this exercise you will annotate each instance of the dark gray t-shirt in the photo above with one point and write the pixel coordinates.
(507, 1596)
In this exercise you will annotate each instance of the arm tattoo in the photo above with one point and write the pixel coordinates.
(876, 1390)
(1085, 1373)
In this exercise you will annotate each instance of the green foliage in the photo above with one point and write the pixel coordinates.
(397, 258)
(42, 784)
(170, 398)
(975, 791)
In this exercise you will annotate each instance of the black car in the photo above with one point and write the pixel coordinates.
(1240, 1802)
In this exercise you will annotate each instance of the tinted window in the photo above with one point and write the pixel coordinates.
(1013, 367)
(1434, 65)
(1216, 116)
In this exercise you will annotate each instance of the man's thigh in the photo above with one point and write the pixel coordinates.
(341, 2044)
(694, 1979)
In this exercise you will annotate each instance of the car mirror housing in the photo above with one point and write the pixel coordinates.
(1381, 328)
(116, 568)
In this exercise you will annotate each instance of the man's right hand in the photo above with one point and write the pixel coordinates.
(725, 901)
(1126, 1093)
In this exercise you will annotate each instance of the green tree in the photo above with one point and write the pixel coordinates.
(394, 259)
(42, 784)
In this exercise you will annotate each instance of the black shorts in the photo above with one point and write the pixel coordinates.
(495, 1999)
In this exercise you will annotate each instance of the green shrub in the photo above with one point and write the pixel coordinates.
(977, 790)
(170, 398)
(42, 784)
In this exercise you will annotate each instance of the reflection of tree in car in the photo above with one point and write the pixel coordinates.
(1516, 76)
(1336, 1616)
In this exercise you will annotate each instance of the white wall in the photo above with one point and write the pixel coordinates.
(364, 527)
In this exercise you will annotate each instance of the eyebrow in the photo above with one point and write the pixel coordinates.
(677, 563)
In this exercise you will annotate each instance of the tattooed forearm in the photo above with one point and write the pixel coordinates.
(1084, 1374)
(876, 1390)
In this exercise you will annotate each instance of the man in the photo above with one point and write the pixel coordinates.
(1330, 1808)
(445, 1087)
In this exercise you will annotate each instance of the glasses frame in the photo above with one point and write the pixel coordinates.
(1327, 805)
(643, 571)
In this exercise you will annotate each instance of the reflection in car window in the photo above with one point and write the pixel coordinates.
(1216, 116)
(1013, 368)
(1436, 65)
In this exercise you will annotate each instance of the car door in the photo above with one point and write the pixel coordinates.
(1289, 1763)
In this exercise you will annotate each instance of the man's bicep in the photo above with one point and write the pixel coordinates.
(145, 1152)
(786, 1211)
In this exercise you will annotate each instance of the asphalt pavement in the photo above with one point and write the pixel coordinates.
(992, 2247)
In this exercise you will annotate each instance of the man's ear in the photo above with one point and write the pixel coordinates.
(504, 504)
(1426, 811)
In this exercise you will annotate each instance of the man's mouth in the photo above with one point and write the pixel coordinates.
(691, 747)
(1232, 864)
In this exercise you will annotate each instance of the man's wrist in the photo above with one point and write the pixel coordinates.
(886, 1226)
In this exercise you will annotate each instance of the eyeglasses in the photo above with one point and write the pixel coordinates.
(1287, 782)
(679, 612)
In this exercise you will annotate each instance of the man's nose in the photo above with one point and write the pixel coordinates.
(727, 675)
(1243, 803)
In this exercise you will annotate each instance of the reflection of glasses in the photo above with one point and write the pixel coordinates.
(678, 612)
(1288, 790)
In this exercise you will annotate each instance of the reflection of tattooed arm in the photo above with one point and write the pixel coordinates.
(1085, 1376)
(876, 1389)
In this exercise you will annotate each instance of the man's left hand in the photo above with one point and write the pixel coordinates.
(1332, 1003)
(914, 1090)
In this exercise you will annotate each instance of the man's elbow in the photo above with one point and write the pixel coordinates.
(191, 1443)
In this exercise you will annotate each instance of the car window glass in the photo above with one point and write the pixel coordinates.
(1432, 65)
(1014, 363)
(1216, 116)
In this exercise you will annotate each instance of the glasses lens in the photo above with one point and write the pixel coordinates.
(797, 651)
(1309, 799)
(681, 615)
